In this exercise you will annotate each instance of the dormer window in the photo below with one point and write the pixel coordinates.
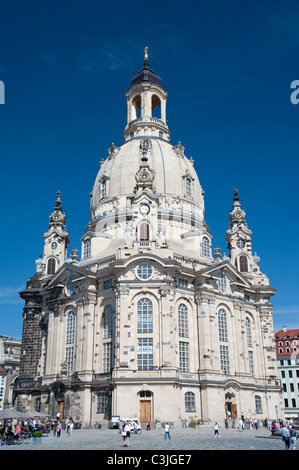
(51, 266)
(70, 286)
(243, 264)
(188, 187)
(205, 247)
(144, 232)
(103, 189)
(87, 248)
(188, 184)
(222, 284)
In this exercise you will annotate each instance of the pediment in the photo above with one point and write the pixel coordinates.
(66, 272)
(226, 268)
(144, 196)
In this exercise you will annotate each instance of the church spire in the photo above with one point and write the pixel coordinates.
(238, 237)
(56, 241)
(57, 218)
(237, 215)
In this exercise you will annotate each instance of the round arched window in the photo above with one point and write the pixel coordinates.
(144, 271)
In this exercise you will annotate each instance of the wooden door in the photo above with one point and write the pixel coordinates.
(145, 410)
(234, 411)
(61, 409)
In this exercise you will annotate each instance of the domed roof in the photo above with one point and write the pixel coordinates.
(168, 165)
(146, 75)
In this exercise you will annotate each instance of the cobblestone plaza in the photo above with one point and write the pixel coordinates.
(182, 440)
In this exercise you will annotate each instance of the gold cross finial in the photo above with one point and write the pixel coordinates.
(145, 53)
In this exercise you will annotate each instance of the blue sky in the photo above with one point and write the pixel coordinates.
(227, 67)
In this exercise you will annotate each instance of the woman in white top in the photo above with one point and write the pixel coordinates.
(127, 430)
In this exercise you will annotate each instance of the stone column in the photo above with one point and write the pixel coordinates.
(206, 341)
(50, 342)
(238, 348)
(89, 302)
(166, 351)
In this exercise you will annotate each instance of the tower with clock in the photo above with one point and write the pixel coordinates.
(56, 241)
(148, 321)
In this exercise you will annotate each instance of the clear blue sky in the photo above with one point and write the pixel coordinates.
(227, 67)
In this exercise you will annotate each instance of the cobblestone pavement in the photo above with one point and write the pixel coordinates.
(181, 439)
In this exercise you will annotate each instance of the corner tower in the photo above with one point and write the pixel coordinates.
(238, 237)
(56, 241)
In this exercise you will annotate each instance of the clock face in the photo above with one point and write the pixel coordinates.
(238, 214)
(144, 209)
(241, 243)
(144, 176)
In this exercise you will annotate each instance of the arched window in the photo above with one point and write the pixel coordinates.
(183, 321)
(108, 322)
(248, 332)
(144, 232)
(222, 325)
(136, 108)
(222, 284)
(70, 286)
(156, 107)
(51, 266)
(70, 329)
(205, 247)
(103, 188)
(87, 248)
(144, 316)
(251, 362)
(243, 263)
(190, 402)
(188, 187)
(258, 404)
(223, 338)
(70, 339)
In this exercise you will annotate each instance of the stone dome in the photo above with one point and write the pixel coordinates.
(168, 166)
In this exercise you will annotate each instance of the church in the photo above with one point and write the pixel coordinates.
(148, 320)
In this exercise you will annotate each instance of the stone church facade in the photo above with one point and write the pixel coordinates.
(149, 321)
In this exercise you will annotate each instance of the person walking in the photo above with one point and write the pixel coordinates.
(293, 437)
(127, 430)
(167, 431)
(286, 436)
(69, 429)
(58, 429)
(216, 429)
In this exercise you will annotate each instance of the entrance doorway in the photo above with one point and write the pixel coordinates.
(231, 410)
(145, 407)
(145, 410)
(61, 409)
